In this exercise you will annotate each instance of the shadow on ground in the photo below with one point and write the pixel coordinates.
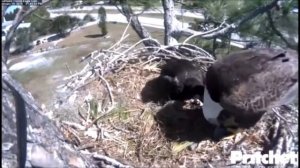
(94, 35)
(182, 124)
(57, 37)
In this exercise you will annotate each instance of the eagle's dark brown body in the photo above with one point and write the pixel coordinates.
(248, 83)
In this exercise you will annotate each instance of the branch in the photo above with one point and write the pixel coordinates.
(113, 162)
(120, 10)
(140, 13)
(126, 10)
(204, 33)
(278, 33)
(234, 26)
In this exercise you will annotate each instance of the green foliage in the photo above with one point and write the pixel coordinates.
(60, 3)
(72, 3)
(22, 39)
(219, 10)
(94, 108)
(89, 2)
(285, 21)
(120, 112)
(61, 23)
(40, 21)
(102, 21)
(11, 15)
(88, 18)
(102, 13)
(74, 21)
(146, 4)
(258, 29)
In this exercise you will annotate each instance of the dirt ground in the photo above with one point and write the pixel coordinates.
(92, 35)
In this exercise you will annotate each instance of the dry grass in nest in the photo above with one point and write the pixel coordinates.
(143, 135)
(118, 121)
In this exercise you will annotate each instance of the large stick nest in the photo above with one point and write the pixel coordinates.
(115, 119)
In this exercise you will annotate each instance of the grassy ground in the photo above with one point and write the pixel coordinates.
(151, 15)
(70, 50)
(115, 31)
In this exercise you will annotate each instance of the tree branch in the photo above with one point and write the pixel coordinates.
(136, 25)
(229, 28)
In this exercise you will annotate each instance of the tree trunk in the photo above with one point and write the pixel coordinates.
(136, 25)
(169, 21)
(46, 146)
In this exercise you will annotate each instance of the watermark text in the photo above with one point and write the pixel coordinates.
(269, 158)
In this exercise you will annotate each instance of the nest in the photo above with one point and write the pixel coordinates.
(116, 120)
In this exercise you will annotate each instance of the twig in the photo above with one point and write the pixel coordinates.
(115, 57)
(275, 110)
(70, 72)
(203, 33)
(110, 160)
(122, 37)
(198, 48)
(118, 129)
(75, 125)
(88, 111)
(98, 118)
(87, 146)
(82, 118)
(137, 43)
(108, 88)
(117, 43)
(150, 60)
(75, 134)
(160, 49)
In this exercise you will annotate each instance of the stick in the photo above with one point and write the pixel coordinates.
(70, 72)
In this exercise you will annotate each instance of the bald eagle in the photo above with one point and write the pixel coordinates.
(246, 84)
(184, 78)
